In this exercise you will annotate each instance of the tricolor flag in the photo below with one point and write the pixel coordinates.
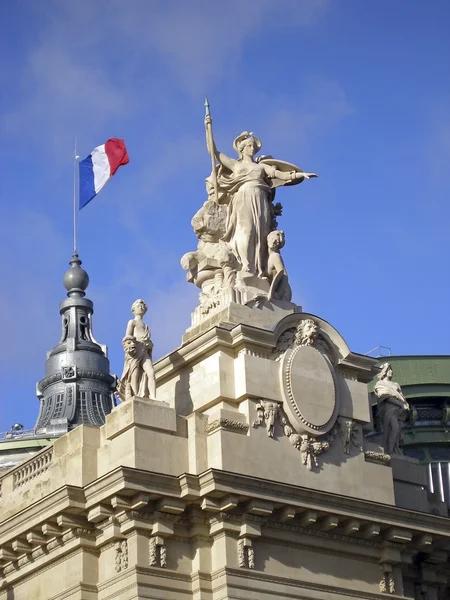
(98, 168)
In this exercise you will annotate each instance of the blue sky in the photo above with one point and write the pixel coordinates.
(358, 92)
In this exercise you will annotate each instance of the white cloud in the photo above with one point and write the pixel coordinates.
(90, 59)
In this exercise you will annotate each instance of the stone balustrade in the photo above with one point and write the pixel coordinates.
(32, 468)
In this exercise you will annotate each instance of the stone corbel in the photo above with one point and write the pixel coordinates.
(21, 547)
(7, 555)
(110, 532)
(36, 538)
(75, 527)
(99, 513)
(50, 530)
(217, 505)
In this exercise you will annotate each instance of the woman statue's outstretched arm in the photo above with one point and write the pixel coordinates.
(293, 175)
(224, 160)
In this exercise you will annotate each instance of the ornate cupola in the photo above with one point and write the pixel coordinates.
(77, 388)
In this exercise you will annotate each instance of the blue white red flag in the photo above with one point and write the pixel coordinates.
(98, 168)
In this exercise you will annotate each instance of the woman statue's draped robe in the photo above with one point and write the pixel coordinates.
(393, 409)
(134, 380)
(248, 192)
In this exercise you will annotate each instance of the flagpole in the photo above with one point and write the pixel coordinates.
(75, 212)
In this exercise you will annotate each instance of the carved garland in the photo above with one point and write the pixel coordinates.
(226, 424)
(387, 581)
(121, 558)
(157, 553)
(246, 554)
(308, 445)
(378, 457)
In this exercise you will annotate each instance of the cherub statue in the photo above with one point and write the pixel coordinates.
(138, 377)
(393, 409)
(279, 283)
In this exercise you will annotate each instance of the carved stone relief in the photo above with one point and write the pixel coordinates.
(121, 558)
(224, 423)
(307, 333)
(157, 553)
(309, 390)
(266, 413)
(387, 581)
(246, 553)
(310, 447)
(378, 457)
(69, 373)
(347, 431)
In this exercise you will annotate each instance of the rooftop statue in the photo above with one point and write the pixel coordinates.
(393, 409)
(138, 377)
(238, 255)
(247, 187)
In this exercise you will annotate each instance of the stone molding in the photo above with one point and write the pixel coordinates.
(227, 424)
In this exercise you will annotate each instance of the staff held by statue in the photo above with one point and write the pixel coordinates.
(211, 149)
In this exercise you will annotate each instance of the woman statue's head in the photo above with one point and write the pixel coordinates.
(139, 307)
(246, 144)
(386, 371)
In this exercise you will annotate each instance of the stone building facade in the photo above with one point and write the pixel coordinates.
(252, 475)
(235, 484)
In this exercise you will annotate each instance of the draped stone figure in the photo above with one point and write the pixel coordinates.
(238, 258)
(138, 377)
(247, 187)
(393, 409)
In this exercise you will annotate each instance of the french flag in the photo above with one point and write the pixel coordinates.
(98, 168)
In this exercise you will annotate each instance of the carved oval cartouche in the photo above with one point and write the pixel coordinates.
(309, 390)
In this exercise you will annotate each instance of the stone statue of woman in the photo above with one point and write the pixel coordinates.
(138, 377)
(392, 407)
(247, 187)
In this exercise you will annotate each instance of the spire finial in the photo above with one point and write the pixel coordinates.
(75, 279)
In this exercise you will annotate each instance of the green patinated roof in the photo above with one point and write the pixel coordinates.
(429, 375)
(31, 443)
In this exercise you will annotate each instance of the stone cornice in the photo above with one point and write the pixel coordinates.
(127, 478)
(126, 490)
(235, 337)
(46, 509)
(324, 501)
